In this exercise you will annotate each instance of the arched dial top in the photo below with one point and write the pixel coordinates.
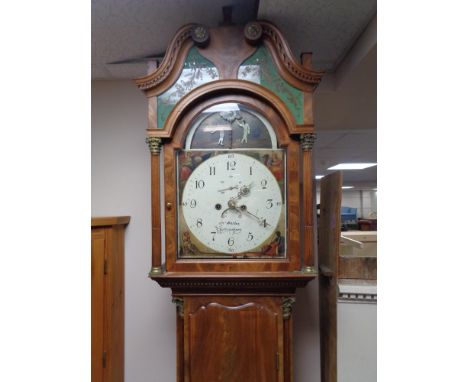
(233, 204)
(230, 126)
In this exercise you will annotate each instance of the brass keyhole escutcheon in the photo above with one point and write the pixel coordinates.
(169, 206)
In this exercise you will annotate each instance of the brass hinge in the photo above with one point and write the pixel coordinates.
(105, 266)
(104, 359)
(277, 361)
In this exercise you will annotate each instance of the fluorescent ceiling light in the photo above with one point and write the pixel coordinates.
(352, 166)
(319, 176)
(346, 187)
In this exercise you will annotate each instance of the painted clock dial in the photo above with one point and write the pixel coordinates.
(232, 203)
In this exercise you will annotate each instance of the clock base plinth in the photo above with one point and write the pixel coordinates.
(234, 327)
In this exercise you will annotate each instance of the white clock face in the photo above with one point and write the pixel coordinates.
(232, 203)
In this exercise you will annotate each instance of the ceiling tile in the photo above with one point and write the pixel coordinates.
(328, 28)
(124, 30)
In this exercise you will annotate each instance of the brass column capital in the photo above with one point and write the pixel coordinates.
(287, 306)
(179, 301)
(154, 145)
(307, 141)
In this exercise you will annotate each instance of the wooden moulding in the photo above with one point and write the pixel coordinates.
(228, 59)
(249, 282)
(103, 221)
(297, 75)
(172, 63)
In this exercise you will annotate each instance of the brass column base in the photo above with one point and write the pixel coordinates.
(308, 269)
(155, 271)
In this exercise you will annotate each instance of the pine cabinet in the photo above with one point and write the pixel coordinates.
(107, 298)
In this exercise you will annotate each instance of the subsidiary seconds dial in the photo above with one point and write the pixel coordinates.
(232, 203)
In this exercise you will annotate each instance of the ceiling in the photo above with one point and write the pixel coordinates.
(124, 30)
(346, 123)
(357, 146)
(340, 33)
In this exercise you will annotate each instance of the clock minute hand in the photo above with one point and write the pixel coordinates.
(262, 221)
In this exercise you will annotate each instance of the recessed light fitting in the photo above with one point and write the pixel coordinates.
(319, 176)
(352, 166)
(346, 187)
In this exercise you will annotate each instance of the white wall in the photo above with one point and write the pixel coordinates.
(356, 342)
(121, 186)
(364, 200)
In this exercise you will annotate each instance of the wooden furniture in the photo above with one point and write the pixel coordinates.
(329, 243)
(107, 298)
(348, 274)
(231, 133)
(367, 224)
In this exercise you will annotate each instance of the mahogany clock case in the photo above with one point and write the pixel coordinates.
(234, 309)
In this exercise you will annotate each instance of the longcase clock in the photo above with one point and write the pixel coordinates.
(230, 131)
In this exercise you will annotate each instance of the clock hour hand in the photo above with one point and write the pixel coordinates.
(228, 189)
(244, 191)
